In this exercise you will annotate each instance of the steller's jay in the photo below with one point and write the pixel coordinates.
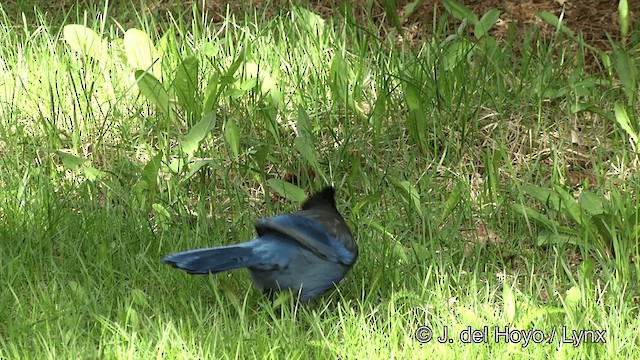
(306, 251)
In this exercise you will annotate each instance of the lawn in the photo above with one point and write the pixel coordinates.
(491, 183)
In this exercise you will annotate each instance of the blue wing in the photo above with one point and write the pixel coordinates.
(308, 233)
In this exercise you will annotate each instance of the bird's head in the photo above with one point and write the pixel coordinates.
(322, 198)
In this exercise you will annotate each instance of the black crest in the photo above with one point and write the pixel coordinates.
(323, 197)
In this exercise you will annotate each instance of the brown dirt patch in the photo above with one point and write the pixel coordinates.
(594, 19)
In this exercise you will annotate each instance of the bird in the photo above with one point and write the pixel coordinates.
(306, 252)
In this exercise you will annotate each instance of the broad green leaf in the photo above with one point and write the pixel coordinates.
(454, 199)
(356, 172)
(251, 70)
(623, 19)
(338, 77)
(167, 47)
(70, 161)
(140, 298)
(226, 80)
(623, 120)
(210, 49)
(591, 202)
(87, 42)
(627, 72)
(310, 21)
(197, 133)
(235, 93)
(468, 317)
(633, 220)
(248, 84)
(545, 196)
(460, 11)
(416, 125)
(340, 82)
(573, 296)
(586, 268)
(306, 149)
(161, 215)
(412, 97)
(584, 87)
(146, 187)
(390, 7)
(378, 115)
(554, 21)
(211, 94)
(556, 238)
(304, 123)
(529, 213)
(606, 61)
(130, 317)
(176, 164)
(532, 314)
(571, 207)
(366, 202)
(492, 162)
(260, 155)
(270, 88)
(153, 91)
(196, 165)
(580, 106)
(509, 299)
(76, 163)
(232, 137)
(186, 85)
(287, 190)
(399, 251)
(141, 53)
(379, 228)
(456, 53)
(92, 173)
(409, 193)
(421, 253)
(231, 71)
(304, 142)
(410, 8)
(150, 171)
(486, 23)
(140, 189)
(602, 222)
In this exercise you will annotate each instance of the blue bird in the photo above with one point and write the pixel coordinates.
(306, 252)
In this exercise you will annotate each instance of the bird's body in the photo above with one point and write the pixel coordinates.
(307, 251)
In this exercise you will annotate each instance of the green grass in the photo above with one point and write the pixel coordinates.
(428, 145)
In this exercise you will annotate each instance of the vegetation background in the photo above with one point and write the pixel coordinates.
(485, 155)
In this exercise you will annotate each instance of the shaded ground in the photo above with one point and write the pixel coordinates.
(593, 18)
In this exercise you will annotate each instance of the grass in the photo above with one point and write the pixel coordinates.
(455, 160)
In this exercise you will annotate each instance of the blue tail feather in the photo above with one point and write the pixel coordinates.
(212, 260)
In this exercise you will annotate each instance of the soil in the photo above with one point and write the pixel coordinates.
(594, 19)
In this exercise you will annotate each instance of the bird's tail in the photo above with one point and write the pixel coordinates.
(212, 260)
